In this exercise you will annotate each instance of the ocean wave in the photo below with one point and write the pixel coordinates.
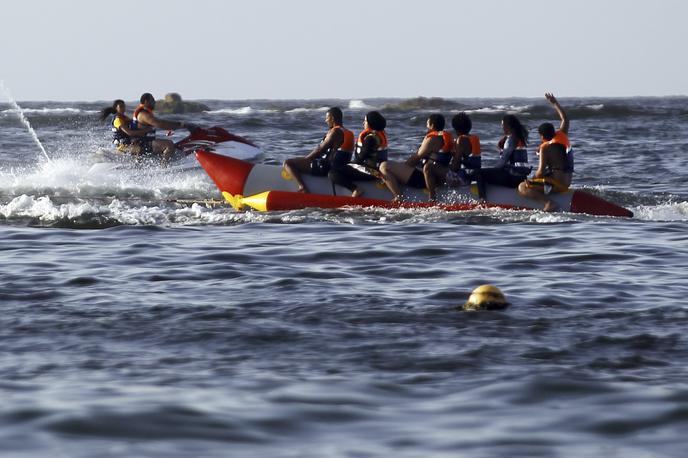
(664, 212)
(73, 177)
(240, 111)
(107, 212)
(359, 105)
(306, 109)
(501, 109)
(48, 111)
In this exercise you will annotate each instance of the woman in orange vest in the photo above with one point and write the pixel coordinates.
(555, 168)
(370, 152)
(512, 167)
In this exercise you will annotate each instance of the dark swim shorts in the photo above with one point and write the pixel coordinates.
(416, 180)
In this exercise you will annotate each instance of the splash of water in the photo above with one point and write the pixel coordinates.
(23, 119)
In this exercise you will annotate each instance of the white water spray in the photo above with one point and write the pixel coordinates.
(23, 119)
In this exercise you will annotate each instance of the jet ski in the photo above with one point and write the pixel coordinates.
(214, 139)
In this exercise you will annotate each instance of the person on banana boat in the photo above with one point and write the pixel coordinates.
(512, 167)
(555, 168)
(144, 117)
(124, 136)
(333, 153)
(369, 153)
(436, 149)
(467, 146)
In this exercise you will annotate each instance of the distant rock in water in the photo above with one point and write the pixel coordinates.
(422, 103)
(173, 104)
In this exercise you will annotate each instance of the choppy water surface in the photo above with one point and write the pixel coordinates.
(133, 325)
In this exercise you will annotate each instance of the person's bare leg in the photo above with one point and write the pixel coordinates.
(386, 169)
(525, 191)
(295, 167)
(431, 171)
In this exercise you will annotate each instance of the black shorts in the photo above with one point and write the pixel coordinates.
(416, 180)
(320, 167)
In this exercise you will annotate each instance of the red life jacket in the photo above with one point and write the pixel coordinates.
(135, 120)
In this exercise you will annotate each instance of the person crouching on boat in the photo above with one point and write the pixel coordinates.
(370, 152)
(555, 168)
(436, 149)
(124, 136)
(144, 117)
(467, 159)
(334, 151)
(512, 167)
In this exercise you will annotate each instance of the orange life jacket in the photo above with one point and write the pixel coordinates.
(348, 143)
(475, 144)
(446, 140)
(473, 161)
(376, 157)
(381, 137)
(560, 138)
(444, 155)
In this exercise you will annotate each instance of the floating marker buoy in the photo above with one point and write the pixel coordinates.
(486, 297)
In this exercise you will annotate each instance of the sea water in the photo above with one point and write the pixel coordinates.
(134, 325)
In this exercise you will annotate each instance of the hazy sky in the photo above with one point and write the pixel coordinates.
(82, 50)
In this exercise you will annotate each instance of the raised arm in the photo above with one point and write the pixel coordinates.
(564, 126)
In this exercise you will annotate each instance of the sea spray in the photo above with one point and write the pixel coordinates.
(23, 119)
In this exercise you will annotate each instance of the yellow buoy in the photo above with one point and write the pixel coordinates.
(486, 297)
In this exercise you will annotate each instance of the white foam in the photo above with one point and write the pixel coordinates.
(13, 111)
(239, 111)
(77, 177)
(509, 109)
(677, 211)
(596, 107)
(305, 110)
(359, 105)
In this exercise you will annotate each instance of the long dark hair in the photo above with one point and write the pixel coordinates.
(109, 111)
(520, 132)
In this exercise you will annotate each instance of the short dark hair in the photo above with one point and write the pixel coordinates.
(462, 123)
(376, 121)
(146, 96)
(547, 131)
(336, 114)
(437, 120)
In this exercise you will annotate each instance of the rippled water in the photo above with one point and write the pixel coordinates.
(177, 330)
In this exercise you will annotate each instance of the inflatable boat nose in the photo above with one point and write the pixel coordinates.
(228, 173)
